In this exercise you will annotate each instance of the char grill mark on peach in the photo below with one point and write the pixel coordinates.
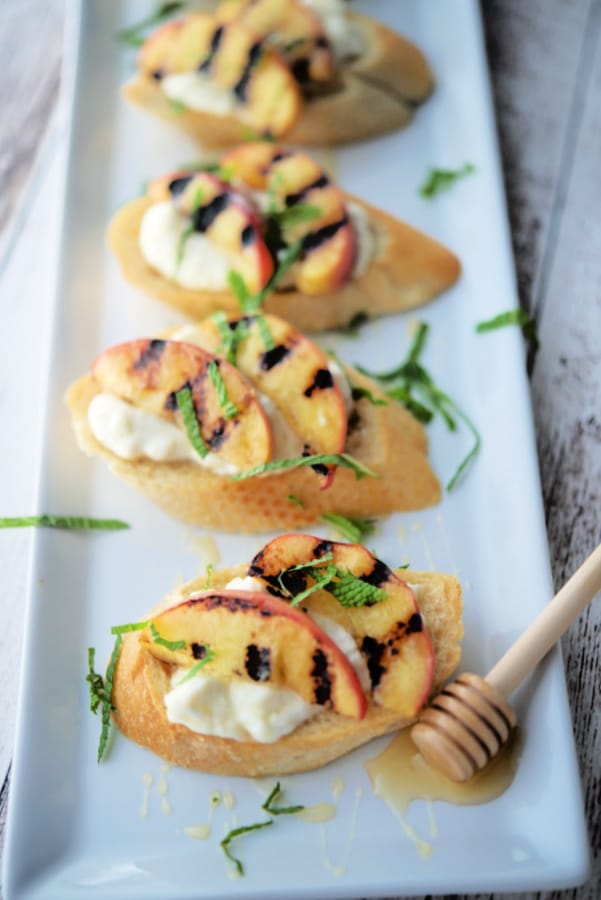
(322, 680)
(379, 574)
(199, 651)
(273, 357)
(204, 216)
(258, 662)
(241, 87)
(298, 196)
(178, 185)
(213, 48)
(232, 604)
(415, 624)
(321, 382)
(315, 239)
(149, 360)
(373, 651)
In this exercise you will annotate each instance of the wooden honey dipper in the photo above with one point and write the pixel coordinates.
(470, 720)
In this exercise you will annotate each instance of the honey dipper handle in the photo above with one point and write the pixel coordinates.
(547, 629)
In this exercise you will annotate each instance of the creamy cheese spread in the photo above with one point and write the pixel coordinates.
(193, 261)
(235, 709)
(343, 34)
(366, 239)
(199, 92)
(130, 433)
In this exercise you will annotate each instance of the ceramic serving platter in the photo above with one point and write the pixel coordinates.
(119, 830)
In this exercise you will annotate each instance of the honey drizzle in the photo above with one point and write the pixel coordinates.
(400, 775)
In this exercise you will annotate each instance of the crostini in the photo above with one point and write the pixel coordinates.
(243, 424)
(283, 665)
(181, 240)
(309, 71)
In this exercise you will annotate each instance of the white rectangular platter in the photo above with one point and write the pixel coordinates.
(75, 828)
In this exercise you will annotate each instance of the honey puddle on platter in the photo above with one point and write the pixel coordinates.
(400, 775)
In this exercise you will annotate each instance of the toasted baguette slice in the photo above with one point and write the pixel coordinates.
(386, 439)
(141, 681)
(373, 93)
(407, 270)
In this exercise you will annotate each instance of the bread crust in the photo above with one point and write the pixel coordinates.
(408, 269)
(388, 440)
(374, 94)
(141, 681)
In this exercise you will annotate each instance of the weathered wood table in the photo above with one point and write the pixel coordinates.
(545, 58)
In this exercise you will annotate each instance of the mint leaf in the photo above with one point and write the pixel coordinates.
(439, 180)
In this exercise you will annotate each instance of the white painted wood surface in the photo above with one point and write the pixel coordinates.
(545, 60)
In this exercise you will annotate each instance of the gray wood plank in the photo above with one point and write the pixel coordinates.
(30, 50)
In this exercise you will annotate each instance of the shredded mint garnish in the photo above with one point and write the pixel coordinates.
(356, 392)
(439, 180)
(325, 459)
(250, 303)
(352, 591)
(101, 693)
(230, 410)
(347, 588)
(71, 523)
(178, 107)
(231, 337)
(295, 215)
(353, 529)
(268, 806)
(354, 324)
(96, 682)
(266, 335)
(236, 832)
(170, 645)
(359, 393)
(411, 378)
(296, 501)
(513, 317)
(130, 626)
(225, 173)
(185, 404)
(133, 35)
(195, 669)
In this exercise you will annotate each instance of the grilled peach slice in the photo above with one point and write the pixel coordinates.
(257, 637)
(293, 373)
(296, 30)
(225, 215)
(328, 240)
(389, 633)
(234, 58)
(149, 373)
(156, 57)
(251, 162)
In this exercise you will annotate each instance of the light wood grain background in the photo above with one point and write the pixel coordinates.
(545, 58)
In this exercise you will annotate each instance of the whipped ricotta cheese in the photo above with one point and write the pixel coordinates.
(235, 709)
(199, 92)
(366, 239)
(342, 33)
(131, 433)
(342, 383)
(195, 262)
